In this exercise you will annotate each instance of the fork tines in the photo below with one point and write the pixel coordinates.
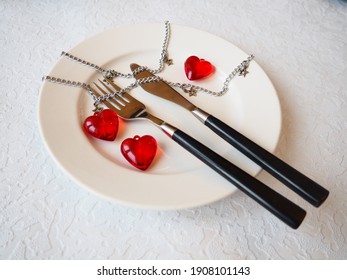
(117, 102)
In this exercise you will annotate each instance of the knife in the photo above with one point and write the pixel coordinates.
(289, 176)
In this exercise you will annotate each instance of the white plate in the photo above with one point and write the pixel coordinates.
(175, 179)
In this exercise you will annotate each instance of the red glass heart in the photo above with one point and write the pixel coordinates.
(197, 68)
(139, 151)
(102, 125)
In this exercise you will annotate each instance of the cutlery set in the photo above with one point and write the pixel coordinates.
(129, 108)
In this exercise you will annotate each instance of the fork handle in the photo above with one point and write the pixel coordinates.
(281, 207)
(292, 178)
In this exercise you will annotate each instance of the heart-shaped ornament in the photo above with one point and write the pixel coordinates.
(139, 151)
(197, 68)
(102, 125)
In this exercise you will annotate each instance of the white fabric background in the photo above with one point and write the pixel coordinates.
(302, 45)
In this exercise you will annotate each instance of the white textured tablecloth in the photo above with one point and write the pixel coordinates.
(302, 45)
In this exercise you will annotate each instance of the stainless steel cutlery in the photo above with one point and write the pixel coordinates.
(289, 176)
(129, 108)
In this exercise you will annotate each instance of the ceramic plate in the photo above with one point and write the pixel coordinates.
(175, 179)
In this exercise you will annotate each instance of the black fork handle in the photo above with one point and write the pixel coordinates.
(281, 207)
(292, 178)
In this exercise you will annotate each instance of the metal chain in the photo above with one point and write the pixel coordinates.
(65, 82)
(187, 88)
(164, 58)
(110, 74)
(100, 99)
(240, 70)
(192, 90)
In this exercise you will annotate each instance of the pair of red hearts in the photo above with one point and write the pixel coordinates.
(139, 151)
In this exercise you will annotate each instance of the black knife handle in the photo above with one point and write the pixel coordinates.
(296, 181)
(281, 207)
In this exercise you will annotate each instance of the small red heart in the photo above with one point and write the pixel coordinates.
(102, 125)
(139, 151)
(197, 68)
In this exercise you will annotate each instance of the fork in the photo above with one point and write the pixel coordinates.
(129, 108)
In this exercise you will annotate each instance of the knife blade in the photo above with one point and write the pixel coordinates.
(289, 176)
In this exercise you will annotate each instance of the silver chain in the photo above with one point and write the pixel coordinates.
(100, 99)
(192, 90)
(111, 74)
(65, 82)
(240, 70)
